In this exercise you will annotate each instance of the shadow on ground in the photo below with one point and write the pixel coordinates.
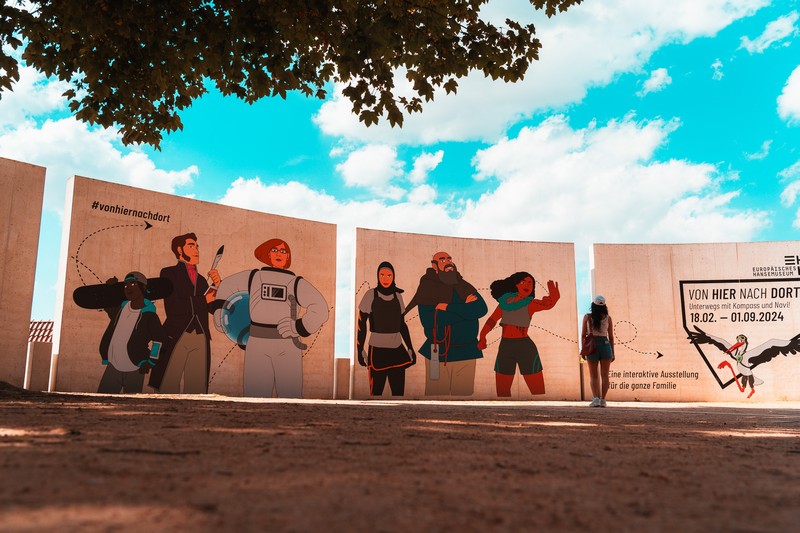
(137, 463)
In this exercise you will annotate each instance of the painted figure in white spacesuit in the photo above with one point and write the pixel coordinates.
(274, 352)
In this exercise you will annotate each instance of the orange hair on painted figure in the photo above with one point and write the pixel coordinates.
(262, 252)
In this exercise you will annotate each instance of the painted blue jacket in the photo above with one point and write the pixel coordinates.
(460, 320)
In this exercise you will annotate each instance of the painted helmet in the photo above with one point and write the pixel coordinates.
(235, 317)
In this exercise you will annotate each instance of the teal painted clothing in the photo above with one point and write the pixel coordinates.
(462, 319)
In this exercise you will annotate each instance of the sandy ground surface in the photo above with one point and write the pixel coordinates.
(99, 463)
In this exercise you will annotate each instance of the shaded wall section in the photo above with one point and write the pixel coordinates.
(679, 308)
(480, 262)
(20, 217)
(112, 229)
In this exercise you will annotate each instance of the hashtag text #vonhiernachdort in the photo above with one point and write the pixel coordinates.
(122, 210)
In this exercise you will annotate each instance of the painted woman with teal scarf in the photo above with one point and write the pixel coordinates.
(515, 307)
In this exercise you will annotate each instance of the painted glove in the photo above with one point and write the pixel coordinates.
(286, 328)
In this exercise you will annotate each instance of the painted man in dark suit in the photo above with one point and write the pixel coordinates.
(186, 354)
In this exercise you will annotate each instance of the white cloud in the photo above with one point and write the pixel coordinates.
(423, 165)
(33, 96)
(588, 46)
(790, 192)
(718, 74)
(374, 167)
(67, 147)
(659, 78)
(597, 184)
(789, 99)
(775, 32)
(601, 184)
(378, 168)
(762, 153)
(422, 195)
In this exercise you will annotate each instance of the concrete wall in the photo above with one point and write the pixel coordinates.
(659, 294)
(20, 216)
(342, 377)
(481, 262)
(98, 244)
(38, 365)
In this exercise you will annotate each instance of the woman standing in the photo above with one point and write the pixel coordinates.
(602, 329)
(515, 307)
(386, 357)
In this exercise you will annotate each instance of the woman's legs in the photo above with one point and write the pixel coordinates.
(605, 365)
(594, 378)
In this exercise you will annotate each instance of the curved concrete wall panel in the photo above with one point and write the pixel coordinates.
(479, 262)
(112, 229)
(703, 322)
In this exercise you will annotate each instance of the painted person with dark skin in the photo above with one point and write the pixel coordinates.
(449, 309)
(186, 356)
(515, 308)
(389, 350)
(132, 341)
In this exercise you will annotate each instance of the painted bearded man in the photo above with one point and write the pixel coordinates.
(449, 309)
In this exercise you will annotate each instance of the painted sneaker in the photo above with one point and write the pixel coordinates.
(595, 402)
(602, 402)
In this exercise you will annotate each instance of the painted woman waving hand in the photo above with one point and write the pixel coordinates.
(516, 304)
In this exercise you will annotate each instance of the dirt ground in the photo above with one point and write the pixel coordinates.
(98, 463)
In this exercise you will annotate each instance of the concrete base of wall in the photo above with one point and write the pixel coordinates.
(37, 366)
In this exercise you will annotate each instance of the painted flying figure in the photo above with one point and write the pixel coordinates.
(746, 359)
(272, 298)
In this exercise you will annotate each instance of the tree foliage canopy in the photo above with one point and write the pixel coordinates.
(135, 64)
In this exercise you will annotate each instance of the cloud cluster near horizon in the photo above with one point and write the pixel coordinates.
(554, 183)
(32, 131)
(548, 180)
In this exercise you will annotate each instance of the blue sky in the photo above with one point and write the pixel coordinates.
(660, 121)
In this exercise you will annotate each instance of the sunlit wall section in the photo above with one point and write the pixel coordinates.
(703, 322)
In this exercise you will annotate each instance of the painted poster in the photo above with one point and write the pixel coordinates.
(163, 294)
(453, 318)
(703, 322)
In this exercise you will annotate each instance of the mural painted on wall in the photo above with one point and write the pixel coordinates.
(186, 357)
(389, 351)
(449, 309)
(516, 304)
(131, 344)
(264, 311)
(112, 229)
(714, 311)
(703, 322)
(464, 352)
(181, 362)
(282, 308)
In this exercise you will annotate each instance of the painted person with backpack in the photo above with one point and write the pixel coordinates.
(273, 359)
(389, 350)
